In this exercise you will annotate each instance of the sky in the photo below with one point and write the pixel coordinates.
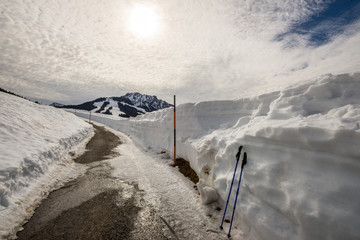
(72, 51)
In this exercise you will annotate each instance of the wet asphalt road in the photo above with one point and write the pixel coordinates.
(97, 205)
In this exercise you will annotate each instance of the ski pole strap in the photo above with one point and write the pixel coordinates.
(238, 153)
(244, 161)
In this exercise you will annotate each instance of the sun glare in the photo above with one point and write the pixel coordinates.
(144, 21)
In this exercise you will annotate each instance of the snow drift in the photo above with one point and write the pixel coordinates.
(35, 144)
(302, 180)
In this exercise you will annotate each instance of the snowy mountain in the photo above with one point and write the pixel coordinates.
(129, 105)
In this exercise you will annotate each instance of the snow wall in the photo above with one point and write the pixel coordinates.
(302, 180)
(35, 145)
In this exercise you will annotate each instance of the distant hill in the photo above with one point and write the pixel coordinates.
(56, 104)
(11, 93)
(8, 92)
(129, 105)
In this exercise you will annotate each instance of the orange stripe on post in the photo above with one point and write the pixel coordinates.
(174, 130)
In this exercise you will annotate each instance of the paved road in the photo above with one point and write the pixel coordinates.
(96, 205)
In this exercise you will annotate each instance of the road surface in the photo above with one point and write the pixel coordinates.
(97, 205)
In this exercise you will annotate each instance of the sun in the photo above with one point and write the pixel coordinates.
(144, 21)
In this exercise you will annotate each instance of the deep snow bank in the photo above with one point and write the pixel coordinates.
(35, 142)
(303, 176)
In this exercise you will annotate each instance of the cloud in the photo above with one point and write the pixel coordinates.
(322, 26)
(219, 49)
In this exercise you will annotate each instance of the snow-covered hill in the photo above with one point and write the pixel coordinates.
(302, 180)
(35, 145)
(129, 105)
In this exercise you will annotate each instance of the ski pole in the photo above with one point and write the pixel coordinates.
(244, 161)
(232, 182)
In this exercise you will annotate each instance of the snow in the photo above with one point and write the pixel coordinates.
(208, 194)
(115, 108)
(36, 143)
(113, 104)
(98, 105)
(302, 179)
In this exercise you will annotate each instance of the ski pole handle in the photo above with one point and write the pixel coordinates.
(238, 153)
(244, 161)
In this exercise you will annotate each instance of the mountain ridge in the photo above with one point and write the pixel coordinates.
(128, 105)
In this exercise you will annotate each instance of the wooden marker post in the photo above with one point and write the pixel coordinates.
(174, 130)
(90, 117)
